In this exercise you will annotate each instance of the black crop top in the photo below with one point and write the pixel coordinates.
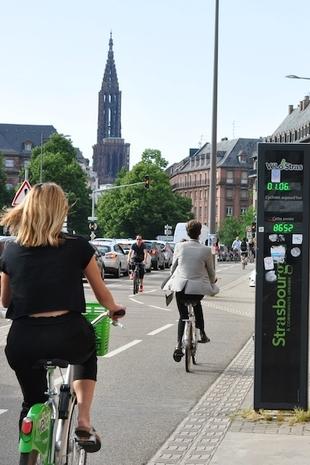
(46, 278)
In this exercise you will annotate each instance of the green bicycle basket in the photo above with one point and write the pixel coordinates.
(102, 329)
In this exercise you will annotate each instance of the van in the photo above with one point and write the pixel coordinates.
(180, 233)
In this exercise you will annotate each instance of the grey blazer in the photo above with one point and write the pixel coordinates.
(192, 268)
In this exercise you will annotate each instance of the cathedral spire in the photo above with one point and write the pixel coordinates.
(109, 115)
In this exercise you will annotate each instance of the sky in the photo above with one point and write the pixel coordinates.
(53, 57)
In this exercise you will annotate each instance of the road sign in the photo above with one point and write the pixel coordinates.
(92, 235)
(93, 226)
(21, 193)
(167, 230)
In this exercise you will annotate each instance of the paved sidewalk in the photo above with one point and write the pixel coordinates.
(214, 433)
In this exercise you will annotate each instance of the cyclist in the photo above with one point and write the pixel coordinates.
(41, 284)
(192, 273)
(236, 247)
(138, 255)
(244, 250)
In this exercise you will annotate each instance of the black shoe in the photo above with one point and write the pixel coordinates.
(203, 338)
(177, 354)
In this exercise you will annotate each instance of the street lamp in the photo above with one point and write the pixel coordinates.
(293, 76)
(212, 188)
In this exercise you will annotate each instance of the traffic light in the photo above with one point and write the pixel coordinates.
(146, 182)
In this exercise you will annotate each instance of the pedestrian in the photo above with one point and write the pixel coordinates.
(41, 284)
(193, 276)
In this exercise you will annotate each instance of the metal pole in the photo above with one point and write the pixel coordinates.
(41, 159)
(212, 189)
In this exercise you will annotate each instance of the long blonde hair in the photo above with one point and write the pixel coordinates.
(38, 220)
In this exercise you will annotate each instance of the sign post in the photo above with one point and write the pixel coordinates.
(282, 282)
(21, 193)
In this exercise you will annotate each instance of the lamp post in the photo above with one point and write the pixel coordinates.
(293, 76)
(212, 188)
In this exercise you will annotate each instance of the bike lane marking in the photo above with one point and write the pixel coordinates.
(122, 348)
(159, 330)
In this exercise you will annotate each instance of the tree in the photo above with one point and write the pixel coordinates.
(56, 161)
(6, 194)
(236, 226)
(126, 211)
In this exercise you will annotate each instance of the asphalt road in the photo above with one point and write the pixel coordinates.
(142, 394)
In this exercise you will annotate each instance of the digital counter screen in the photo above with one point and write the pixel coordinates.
(278, 186)
(283, 228)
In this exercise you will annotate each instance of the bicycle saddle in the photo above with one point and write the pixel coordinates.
(51, 362)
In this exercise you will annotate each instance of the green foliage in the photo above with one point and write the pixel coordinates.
(6, 195)
(58, 164)
(236, 226)
(126, 211)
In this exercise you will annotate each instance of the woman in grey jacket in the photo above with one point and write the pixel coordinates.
(192, 277)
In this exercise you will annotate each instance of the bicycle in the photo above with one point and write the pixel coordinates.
(244, 259)
(47, 434)
(136, 277)
(190, 337)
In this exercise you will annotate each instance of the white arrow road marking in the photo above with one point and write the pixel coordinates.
(137, 301)
(2, 410)
(122, 348)
(159, 330)
(160, 308)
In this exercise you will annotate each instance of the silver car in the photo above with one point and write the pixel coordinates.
(114, 257)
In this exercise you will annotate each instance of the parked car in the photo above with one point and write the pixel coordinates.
(157, 255)
(168, 253)
(126, 246)
(99, 260)
(114, 258)
(223, 254)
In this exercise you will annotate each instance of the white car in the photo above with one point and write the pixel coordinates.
(114, 257)
(252, 278)
(126, 246)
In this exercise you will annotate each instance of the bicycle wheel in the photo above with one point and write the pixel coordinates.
(30, 458)
(188, 347)
(135, 283)
(194, 347)
(75, 454)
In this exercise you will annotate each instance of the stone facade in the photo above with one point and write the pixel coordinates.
(191, 178)
(110, 153)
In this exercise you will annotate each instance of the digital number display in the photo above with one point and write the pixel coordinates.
(283, 227)
(278, 186)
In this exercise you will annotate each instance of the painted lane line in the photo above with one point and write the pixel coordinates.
(134, 300)
(3, 410)
(122, 348)
(160, 308)
(159, 330)
(148, 292)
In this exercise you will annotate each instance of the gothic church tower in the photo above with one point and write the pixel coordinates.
(110, 153)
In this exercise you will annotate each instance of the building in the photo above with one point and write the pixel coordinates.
(296, 125)
(16, 144)
(110, 153)
(191, 178)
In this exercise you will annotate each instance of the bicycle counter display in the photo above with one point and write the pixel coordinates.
(281, 325)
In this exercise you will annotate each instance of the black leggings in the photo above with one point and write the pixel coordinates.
(141, 268)
(68, 337)
(180, 298)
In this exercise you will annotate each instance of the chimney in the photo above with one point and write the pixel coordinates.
(301, 105)
(306, 101)
(290, 109)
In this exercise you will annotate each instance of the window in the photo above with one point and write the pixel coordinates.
(229, 193)
(244, 177)
(27, 146)
(229, 211)
(244, 194)
(229, 177)
(9, 163)
(242, 211)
